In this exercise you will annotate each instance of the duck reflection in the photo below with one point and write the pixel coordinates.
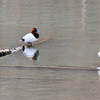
(31, 52)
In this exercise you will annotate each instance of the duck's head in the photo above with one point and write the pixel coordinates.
(34, 30)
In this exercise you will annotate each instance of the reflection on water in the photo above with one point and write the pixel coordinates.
(30, 52)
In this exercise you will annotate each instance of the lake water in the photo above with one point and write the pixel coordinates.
(73, 29)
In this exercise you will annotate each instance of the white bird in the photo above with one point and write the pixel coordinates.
(98, 54)
(30, 37)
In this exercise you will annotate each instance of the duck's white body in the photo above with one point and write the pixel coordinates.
(29, 38)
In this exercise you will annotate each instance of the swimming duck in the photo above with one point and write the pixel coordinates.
(31, 37)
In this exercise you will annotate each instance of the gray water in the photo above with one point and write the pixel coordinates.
(73, 26)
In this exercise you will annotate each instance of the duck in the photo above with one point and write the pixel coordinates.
(30, 37)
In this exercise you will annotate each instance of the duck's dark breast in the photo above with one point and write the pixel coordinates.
(36, 35)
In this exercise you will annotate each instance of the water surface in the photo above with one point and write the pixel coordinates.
(73, 26)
